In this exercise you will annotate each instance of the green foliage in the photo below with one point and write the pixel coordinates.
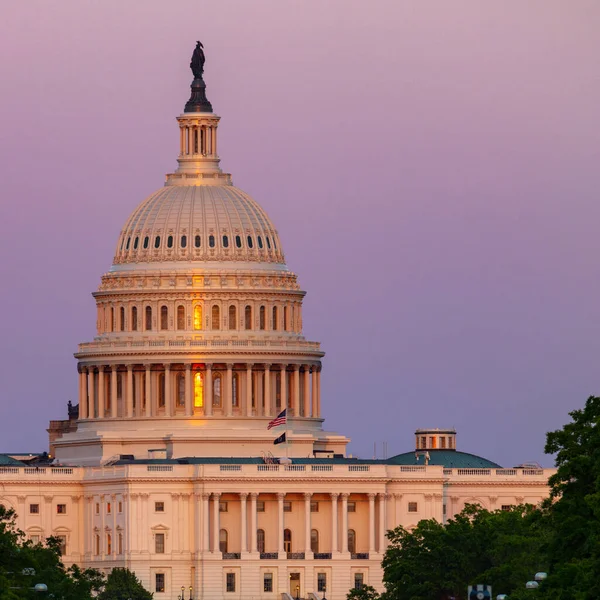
(122, 584)
(436, 561)
(365, 592)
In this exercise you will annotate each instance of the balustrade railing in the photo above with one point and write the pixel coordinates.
(231, 555)
(359, 555)
(295, 555)
(269, 555)
(322, 555)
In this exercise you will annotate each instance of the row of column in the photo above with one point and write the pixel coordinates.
(336, 500)
(99, 398)
(198, 139)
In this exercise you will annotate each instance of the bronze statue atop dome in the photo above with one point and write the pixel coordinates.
(198, 60)
(198, 101)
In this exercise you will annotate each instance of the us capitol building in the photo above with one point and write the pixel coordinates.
(165, 466)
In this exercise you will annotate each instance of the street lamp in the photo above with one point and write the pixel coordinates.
(541, 576)
(324, 588)
(40, 587)
(532, 585)
(297, 592)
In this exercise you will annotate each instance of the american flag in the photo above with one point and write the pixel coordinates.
(280, 419)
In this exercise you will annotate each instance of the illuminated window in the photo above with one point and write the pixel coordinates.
(217, 389)
(170, 241)
(134, 318)
(260, 242)
(223, 540)
(197, 317)
(180, 389)
(248, 317)
(352, 541)
(159, 582)
(432, 442)
(180, 317)
(261, 318)
(287, 540)
(216, 317)
(108, 543)
(148, 318)
(260, 540)
(234, 390)
(238, 241)
(274, 323)
(314, 540)
(183, 241)
(232, 317)
(197, 241)
(164, 317)
(211, 241)
(225, 242)
(198, 390)
(250, 242)
(108, 508)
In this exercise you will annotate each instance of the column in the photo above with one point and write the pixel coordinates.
(243, 524)
(129, 391)
(115, 533)
(253, 526)
(176, 546)
(284, 397)
(101, 393)
(280, 525)
(319, 391)
(307, 525)
(296, 390)
(188, 391)
(306, 398)
(83, 397)
(216, 524)
(229, 390)
(214, 145)
(371, 523)
(205, 523)
(181, 140)
(267, 391)
(148, 386)
(345, 522)
(314, 392)
(334, 522)
(258, 393)
(208, 400)
(382, 499)
(90, 388)
(113, 391)
(249, 390)
(168, 395)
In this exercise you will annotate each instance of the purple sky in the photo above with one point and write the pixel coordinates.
(432, 168)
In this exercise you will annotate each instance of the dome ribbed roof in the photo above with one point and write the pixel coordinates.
(198, 223)
(451, 459)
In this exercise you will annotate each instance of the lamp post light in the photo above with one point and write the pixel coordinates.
(324, 588)
(40, 587)
(532, 585)
(541, 576)
(297, 592)
(501, 597)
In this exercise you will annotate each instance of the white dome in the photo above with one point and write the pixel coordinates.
(198, 223)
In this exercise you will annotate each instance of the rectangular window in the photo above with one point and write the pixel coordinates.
(506, 507)
(62, 544)
(231, 582)
(120, 543)
(423, 443)
(61, 509)
(35, 539)
(159, 582)
(321, 582)
(287, 506)
(222, 506)
(159, 507)
(443, 509)
(314, 507)
(412, 507)
(351, 506)
(442, 442)
(159, 543)
(108, 508)
(97, 508)
(358, 581)
(268, 582)
(34, 509)
(260, 506)
(120, 507)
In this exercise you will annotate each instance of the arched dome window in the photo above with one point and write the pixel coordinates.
(146, 242)
(250, 242)
(170, 241)
(352, 541)
(260, 540)
(314, 541)
(274, 244)
(216, 317)
(136, 242)
(223, 540)
(198, 390)
(183, 241)
(134, 318)
(128, 242)
(122, 318)
(238, 241)
(268, 242)
(232, 317)
(197, 241)
(157, 241)
(234, 390)
(211, 241)
(148, 318)
(248, 317)
(180, 317)
(260, 242)
(180, 389)
(275, 315)
(287, 540)
(261, 318)
(197, 317)
(164, 318)
(217, 390)
(225, 241)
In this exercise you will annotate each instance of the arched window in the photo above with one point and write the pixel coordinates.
(183, 241)
(164, 317)
(197, 316)
(170, 241)
(146, 242)
(287, 540)
(250, 242)
(161, 390)
(238, 241)
(211, 241)
(260, 242)
(148, 318)
(136, 242)
(216, 317)
(260, 540)
(217, 389)
(223, 540)
(180, 317)
(274, 326)
(197, 241)
(198, 390)
(128, 242)
(248, 317)
(134, 318)
(286, 325)
(157, 241)
(180, 389)
(268, 242)
(314, 540)
(225, 241)
(232, 317)
(122, 318)
(234, 390)
(261, 318)
(352, 541)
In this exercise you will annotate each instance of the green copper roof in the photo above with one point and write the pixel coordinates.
(9, 461)
(451, 459)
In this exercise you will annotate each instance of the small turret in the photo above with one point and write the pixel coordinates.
(435, 439)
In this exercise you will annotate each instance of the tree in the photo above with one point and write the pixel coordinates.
(364, 592)
(122, 584)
